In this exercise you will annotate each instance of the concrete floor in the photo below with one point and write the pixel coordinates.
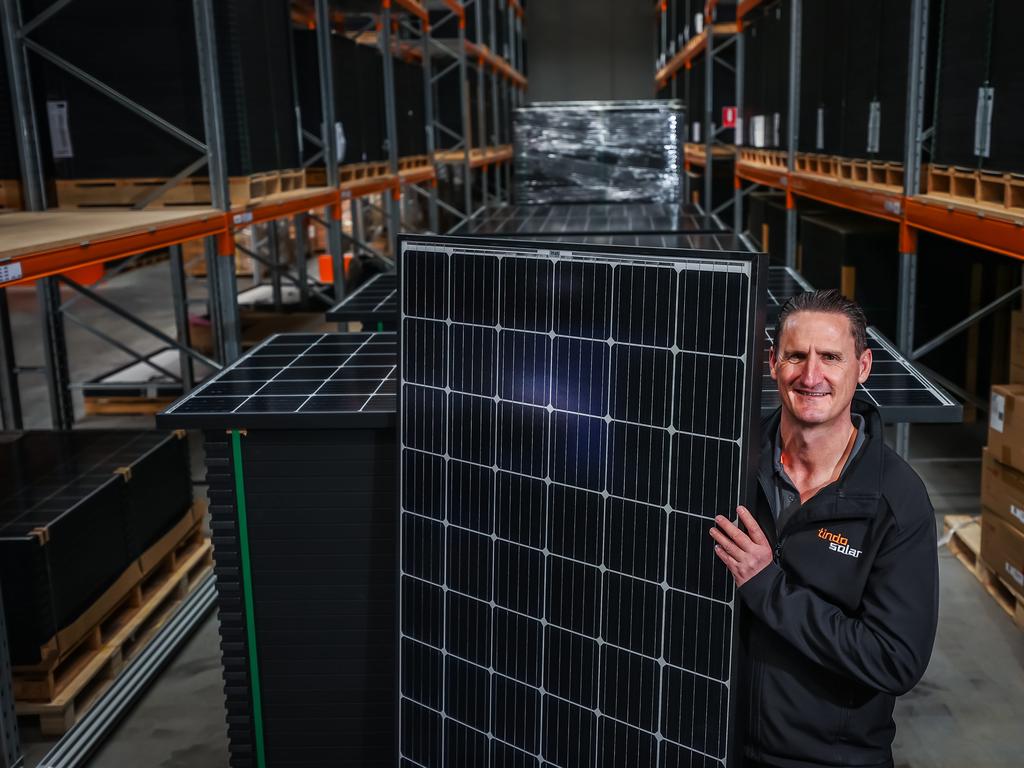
(968, 710)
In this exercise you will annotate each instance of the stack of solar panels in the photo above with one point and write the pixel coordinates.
(76, 510)
(151, 58)
(980, 48)
(765, 68)
(358, 94)
(300, 454)
(854, 77)
(9, 168)
(594, 151)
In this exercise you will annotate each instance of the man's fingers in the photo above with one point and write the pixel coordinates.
(753, 529)
(734, 533)
(730, 562)
(725, 543)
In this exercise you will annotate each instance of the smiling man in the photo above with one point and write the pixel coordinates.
(836, 569)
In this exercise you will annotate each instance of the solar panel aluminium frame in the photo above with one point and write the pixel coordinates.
(746, 488)
(346, 310)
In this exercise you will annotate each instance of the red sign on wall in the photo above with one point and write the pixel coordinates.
(728, 117)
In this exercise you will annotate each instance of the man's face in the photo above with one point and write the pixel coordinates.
(817, 367)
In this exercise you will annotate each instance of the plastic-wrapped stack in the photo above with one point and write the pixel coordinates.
(599, 151)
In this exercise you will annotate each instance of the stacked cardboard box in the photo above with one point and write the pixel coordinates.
(1002, 487)
(1017, 347)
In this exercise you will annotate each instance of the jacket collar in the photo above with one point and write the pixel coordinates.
(861, 482)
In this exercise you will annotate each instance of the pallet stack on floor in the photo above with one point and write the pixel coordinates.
(99, 543)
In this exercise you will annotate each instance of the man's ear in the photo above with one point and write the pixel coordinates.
(772, 360)
(865, 366)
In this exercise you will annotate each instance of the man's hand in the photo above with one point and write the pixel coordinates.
(744, 554)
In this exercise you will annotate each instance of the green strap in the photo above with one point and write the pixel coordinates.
(380, 325)
(250, 614)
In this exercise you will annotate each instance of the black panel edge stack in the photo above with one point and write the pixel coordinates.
(78, 510)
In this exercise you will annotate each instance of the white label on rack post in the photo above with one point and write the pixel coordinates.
(10, 272)
(1017, 512)
(60, 133)
(997, 412)
(819, 139)
(695, 135)
(757, 130)
(776, 129)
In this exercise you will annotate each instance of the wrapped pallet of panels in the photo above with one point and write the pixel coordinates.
(979, 104)
(77, 512)
(152, 59)
(598, 151)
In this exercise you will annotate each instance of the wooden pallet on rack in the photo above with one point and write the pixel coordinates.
(73, 194)
(882, 175)
(771, 158)
(59, 690)
(10, 195)
(987, 190)
(965, 544)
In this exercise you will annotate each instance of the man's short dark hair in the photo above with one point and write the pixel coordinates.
(832, 302)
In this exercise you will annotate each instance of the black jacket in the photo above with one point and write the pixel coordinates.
(843, 621)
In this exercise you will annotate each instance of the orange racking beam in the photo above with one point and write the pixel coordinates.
(967, 226)
(418, 175)
(412, 6)
(371, 186)
(277, 209)
(768, 177)
(867, 201)
(517, 8)
(746, 6)
(48, 261)
(660, 6)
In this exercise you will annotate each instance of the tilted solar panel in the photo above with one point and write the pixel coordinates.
(374, 303)
(570, 421)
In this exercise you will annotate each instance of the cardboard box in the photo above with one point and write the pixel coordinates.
(1017, 339)
(1006, 425)
(1016, 374)
(1002, 490)
(1002, 549)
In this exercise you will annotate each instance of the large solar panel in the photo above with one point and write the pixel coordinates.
(592, 218)
(895, 386)
(298, 379)
(374, 302)
(570, 423)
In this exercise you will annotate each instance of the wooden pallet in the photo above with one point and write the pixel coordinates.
(317, 177)
(57, 696)
(887, 176)
(76, 194)
(770, 158)
(990, 190)
(965, 544)
(126, 406)
(10, 195)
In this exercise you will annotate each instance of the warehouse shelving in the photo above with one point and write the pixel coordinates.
(894, 193)
(717, 45)
(46, 244)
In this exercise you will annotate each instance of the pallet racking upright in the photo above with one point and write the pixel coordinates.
(698, 41)
(914, 192)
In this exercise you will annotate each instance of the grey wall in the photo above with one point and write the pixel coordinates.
(590, 49)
